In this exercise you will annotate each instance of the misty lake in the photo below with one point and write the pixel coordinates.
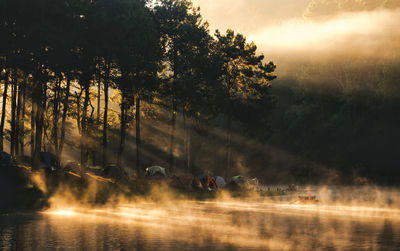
(188, 225)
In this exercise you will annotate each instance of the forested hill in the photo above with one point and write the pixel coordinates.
(337, 107)
(327, 8)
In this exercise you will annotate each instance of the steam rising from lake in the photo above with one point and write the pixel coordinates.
(257, 223)
(354, 217)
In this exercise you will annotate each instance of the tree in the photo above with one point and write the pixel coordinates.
(56, 56)
(245, 81)
(185, 36)
(137, 59)
(3, 111)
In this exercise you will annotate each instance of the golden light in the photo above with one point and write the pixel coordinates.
(62, 212)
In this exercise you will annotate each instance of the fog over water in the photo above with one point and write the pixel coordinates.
(363, 218)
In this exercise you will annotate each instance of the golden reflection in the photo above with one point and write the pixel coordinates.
(252, 223)
(63, 212)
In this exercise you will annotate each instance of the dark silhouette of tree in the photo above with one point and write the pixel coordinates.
(62, 61)
(184, 38)
(245, 81)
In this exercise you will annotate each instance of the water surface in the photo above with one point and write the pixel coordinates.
(188, 225)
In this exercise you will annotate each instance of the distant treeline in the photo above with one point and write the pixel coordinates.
(336, 119)
(341, 115)
(61, 61)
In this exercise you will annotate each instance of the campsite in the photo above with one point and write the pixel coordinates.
(113, 180)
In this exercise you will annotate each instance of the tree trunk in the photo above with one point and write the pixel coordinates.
(186, 129)
(18, 122)
(228, 145)
(138, 139)
(105, 118)
(38, 137)
(56, 105)
(33, 119)
(3, 113)
(44, 148)
(22, 122)
(64, 118)
(172, 137)
(187, 145)
(98, 96)
(13, 114)
(78, 111)
(41, 107)
(189, 158)
(184, 136)
(84, 128)
(122, 133)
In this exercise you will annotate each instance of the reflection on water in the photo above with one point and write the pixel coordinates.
(228, 225)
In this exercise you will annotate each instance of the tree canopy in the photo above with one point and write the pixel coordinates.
(58, 57)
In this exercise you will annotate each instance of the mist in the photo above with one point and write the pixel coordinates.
(283, 32)
(372, 34)
(225, 222)
(249, 17)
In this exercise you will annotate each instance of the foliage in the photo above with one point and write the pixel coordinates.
(69, 53)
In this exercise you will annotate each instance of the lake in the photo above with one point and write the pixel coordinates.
(252, 224)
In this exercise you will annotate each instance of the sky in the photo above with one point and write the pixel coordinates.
(280, 31)
(249, 16)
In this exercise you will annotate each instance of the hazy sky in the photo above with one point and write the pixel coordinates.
(279, 29)
(249, 16)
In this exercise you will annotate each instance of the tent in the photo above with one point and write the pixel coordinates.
(5, 159)
(208, 182)
(240, 182)
(252, 184)
(48, 161)
(220, 181)
(237, 182)
(156, 172)
(186, 181)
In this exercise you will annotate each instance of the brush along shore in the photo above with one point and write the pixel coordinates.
(35, 190)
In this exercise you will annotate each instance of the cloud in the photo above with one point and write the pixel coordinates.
(281, 32)
(363, 32)
(249, 16)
